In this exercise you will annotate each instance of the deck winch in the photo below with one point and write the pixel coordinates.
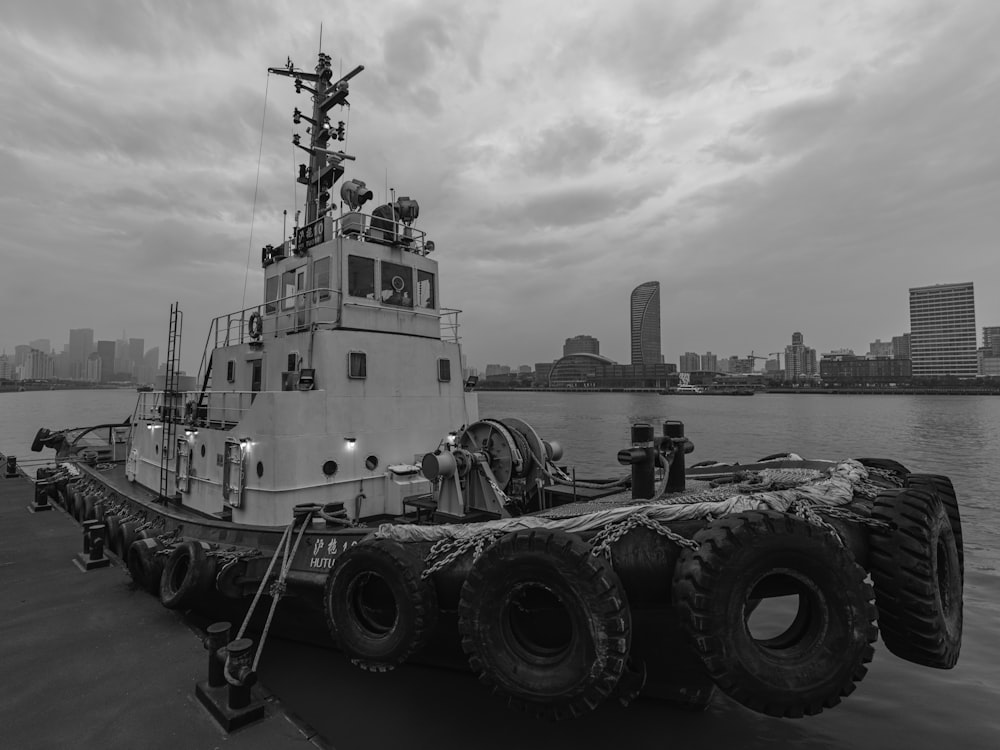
(492, 466)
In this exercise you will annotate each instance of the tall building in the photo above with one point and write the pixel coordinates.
(106, 353)
(690, 362)
(581, 345)
(709, 362)
(42, 345)
(943, 330)
(991, 340)
(800, 360)
(645, 320)
(901, 346)
(135, 349)
(81, 345)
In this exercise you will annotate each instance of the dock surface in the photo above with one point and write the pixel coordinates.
(90, 661)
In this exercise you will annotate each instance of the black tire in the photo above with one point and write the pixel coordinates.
(918, 580)
(124, 538)
(188, 575)
(112, 522)
(144, 565)
(820, 656)
(773, 457)
(886, 464)
(545, 623)
(379, 609)
(39, 442)
(945, 490)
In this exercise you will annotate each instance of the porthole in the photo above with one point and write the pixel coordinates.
(330, 468)
(260, 469)
(203, 450)
(371, 463)
(156, 450)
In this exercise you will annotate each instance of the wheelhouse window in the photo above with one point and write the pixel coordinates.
(397, 285)
(293, 361)
(288, 290)
(271, 295)
(361, 277)
(231, 371)
(357, 365)
(321, 277)
(425, 289)
(444, 370)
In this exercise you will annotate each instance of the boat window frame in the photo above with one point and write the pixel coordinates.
(271, 294)
(288, 281)
(362, 371)
(389, 271)
(422, 276)
(355, 287)
(231, 371)
(322, 288)
(444, 370)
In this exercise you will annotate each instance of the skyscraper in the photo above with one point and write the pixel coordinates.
(81, 344)
(800, 360)
(943, 330)
(645, 319)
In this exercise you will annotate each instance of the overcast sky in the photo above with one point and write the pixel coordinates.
(777, 166)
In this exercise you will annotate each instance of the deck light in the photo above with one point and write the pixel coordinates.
(350, 443)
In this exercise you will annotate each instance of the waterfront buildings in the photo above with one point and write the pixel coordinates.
(690, 362)
(849, 369)
(879, 349)
(709, 362)
(901, 346)
(581, 345)
(943, 330)
(645, 324)
(800, 360)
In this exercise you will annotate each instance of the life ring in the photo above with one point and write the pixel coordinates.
(145, 565)
(379, 608)
(255, 325)
(918, 578)
(188, 574)
(945, 490)
(545, 623)
(746, 557)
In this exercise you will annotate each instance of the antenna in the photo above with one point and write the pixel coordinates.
(320, 37)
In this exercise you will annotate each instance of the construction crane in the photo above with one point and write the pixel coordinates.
(777, 357)
(752, 359)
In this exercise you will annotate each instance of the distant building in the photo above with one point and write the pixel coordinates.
(106, 351)
(901, 346)
(81, 345)
(6, 367)
(879, 349)
(493, 370)
(709, 362)
(542, 370)
(943, 330)
(38, 365)
(524, 370)
(690, 362)
(850, 369)
(581, 345)
(42, 345)
(800, 360)
(592, 371)
(92, 372)
(991, 340)
(644, 315)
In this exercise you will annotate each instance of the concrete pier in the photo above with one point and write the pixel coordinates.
(89, 660)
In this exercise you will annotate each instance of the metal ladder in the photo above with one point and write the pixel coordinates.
(171, 402)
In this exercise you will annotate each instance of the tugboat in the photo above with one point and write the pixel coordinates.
(332, 450)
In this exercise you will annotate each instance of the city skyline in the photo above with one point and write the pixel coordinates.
(767, 162)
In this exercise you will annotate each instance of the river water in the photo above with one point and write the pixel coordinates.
(898, 705)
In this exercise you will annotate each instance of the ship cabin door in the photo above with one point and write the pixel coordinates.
(293, 314)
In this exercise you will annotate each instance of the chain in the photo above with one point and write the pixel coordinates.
(890, 476)
(848, 515)
(808, 514)
(612, 532)
(447, 551)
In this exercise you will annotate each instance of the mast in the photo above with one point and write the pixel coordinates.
(325, 164)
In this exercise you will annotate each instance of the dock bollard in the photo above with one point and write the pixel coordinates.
(93, 556)
(41, 500)
(228, 693)
(217, 638)
(11, 471)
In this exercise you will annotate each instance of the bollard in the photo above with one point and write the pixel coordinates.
(217, 638)
(642, 457)
(239, 673)
(673, 431)
(11, 471)
(41, 500)
(93, 556)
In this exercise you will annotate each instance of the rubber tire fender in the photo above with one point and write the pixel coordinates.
(379, 608)
(887, 464)
(144, 565)
(188, 575)
(526, 586)
(124, 538)
(112, 522)
(822, 654)
(945, 490)
(918, 579)
(38, 443)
